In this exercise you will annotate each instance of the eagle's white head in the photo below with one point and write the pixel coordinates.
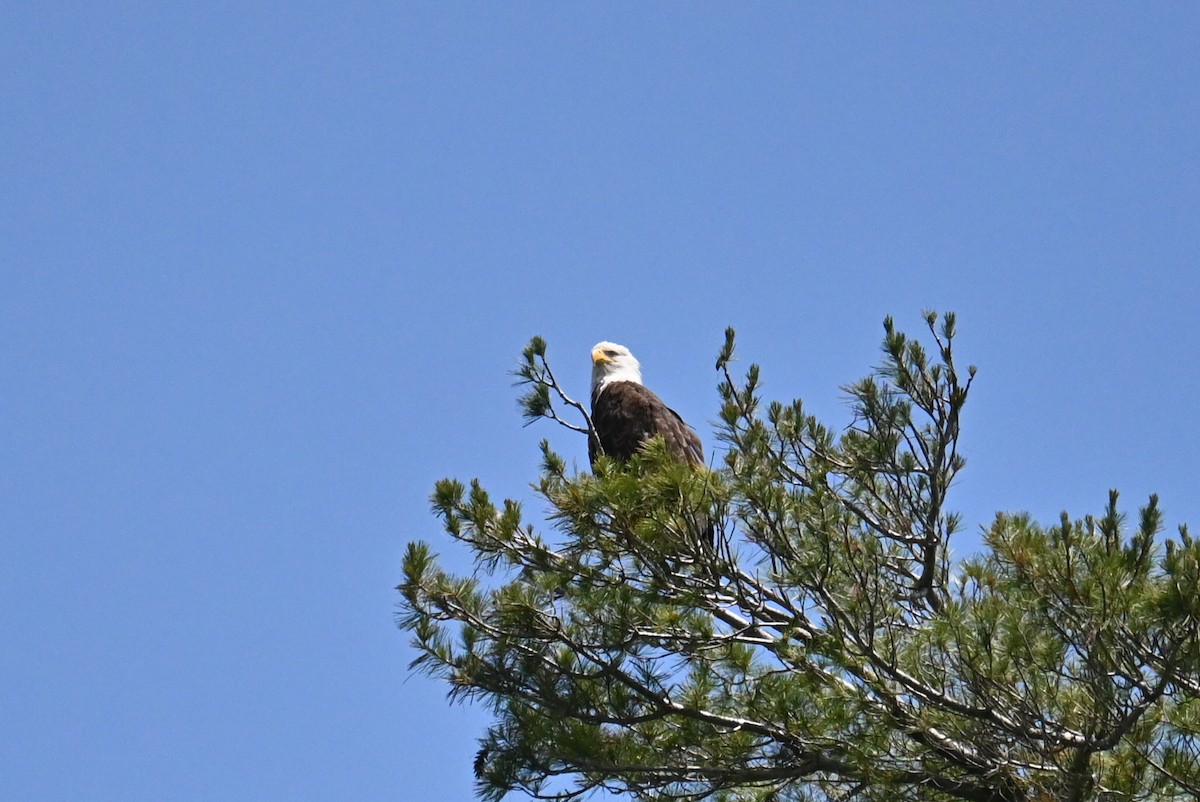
(613, 363)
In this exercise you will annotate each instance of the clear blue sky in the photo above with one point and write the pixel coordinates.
(265, 270)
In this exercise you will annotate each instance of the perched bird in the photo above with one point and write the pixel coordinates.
(626, 414)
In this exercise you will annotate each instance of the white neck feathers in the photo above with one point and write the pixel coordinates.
(604, 375)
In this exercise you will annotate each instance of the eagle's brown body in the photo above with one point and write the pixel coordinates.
(626, 414)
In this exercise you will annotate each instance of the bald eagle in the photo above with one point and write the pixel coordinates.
(625, 414)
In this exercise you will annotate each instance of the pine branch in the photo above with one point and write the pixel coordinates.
(538, 401)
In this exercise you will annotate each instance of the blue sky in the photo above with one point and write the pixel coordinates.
(266, 270)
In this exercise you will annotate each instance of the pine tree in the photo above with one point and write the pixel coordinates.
(826, 648)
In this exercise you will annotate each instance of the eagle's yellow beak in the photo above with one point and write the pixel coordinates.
(599, 357)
